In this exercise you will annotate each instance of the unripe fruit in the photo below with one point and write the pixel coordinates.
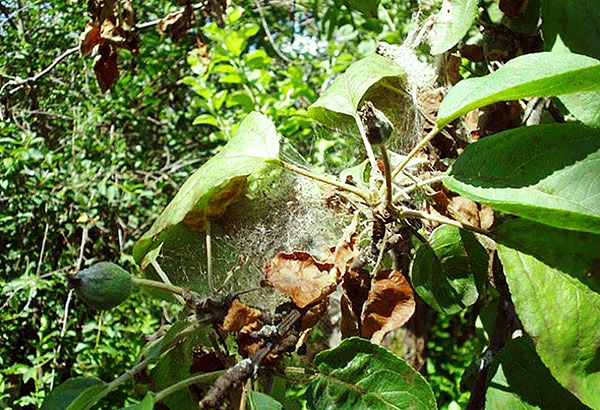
(102, 286)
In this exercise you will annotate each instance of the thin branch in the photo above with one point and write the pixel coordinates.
(209, 258)
(388, 175)
(154, 284)
(366, 143)
(404, 213)
(268, 33)
(196, 379)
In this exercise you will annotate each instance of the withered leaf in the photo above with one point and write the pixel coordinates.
(238, 316)
(355, 290)
(178, 23)
(390, 305)
(467, 208)
(90, 38)
(301, 277)
(106, 66)
(346, 249)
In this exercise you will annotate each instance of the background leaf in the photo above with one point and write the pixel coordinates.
(548, 173)
(446, 271)
(358, 374)
(531, 75)
(219, 179)
(519, 380)
(562, 316)
(61, 397)
(451, 24)
(261, 401)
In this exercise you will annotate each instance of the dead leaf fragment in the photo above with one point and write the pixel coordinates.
(106, 66)
(486, 217)
(346, 250)
(355, 291)
(177, 24)
(390, 305)
(300, 276)
(467, 208)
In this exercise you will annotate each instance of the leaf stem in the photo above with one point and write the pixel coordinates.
(388, 175)
(413, 213)
(322, 178)
(154, 284)
(366, 143)
(198, 378)
(416, 149)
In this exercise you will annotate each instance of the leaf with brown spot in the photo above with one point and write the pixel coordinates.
(238, 316)
(300, 276)
(391, 303)
(106, 66)
(355, 291)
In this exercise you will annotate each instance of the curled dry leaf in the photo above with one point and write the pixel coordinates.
(309, 319)
(238, 316)
(467, 208)
(346, 250)
(177, 24)
(390, 305)
(305, 280)
(355, 291)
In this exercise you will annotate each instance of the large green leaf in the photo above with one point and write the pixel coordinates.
(219, 182)
(261, 401)
(574, 24)
(64, 394)
(360, 375)
(573, 252)
(547, 173)
(446, 272)
(519, 380)
(375, 78)
(452, 23)
(532, 75)
(562, 316)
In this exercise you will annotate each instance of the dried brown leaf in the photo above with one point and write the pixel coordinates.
(301, 277)
(486, 217)
(106, 66)
(177, 24)
(90, 38)
(346, 250)
(390, 305)
(467, 208)
(238, 316)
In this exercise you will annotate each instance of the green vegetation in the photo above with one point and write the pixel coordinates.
(187, 190)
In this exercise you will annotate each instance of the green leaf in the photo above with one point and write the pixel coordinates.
(261, 401)
(446, 272)
(206, 119)
(89, 397)
(452, 23)
(531, 75)
(146, 404)
(361, 375)
(573, 252)
(562, 316)
(64, 394)
(548, 173)
(519, 380)
(375, 78)
(575, 25)
(366, 7)
(219, 182)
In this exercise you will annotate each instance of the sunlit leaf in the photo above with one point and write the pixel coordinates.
(451, 24)
(531, 75)
(547, 173)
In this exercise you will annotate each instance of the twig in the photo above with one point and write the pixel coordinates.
(404, 213)
(324, 179)
(366, 143)
(39, 265)
(196, 379)
(416, 149)
(268, 33)
(209, 260)
(388, 175)
(153, 284)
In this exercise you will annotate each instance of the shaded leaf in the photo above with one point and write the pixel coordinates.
(531, 75)
(519, 380)
(300, 276)
(261, 401)
(562, 316)
(63, 395)
(366, 7)
(390, 305)
(218, 183)
(89, 397)
(451, 24)
(547, 173)
(146, 404)
(360, 375)
(446, 271)
(367, 77)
